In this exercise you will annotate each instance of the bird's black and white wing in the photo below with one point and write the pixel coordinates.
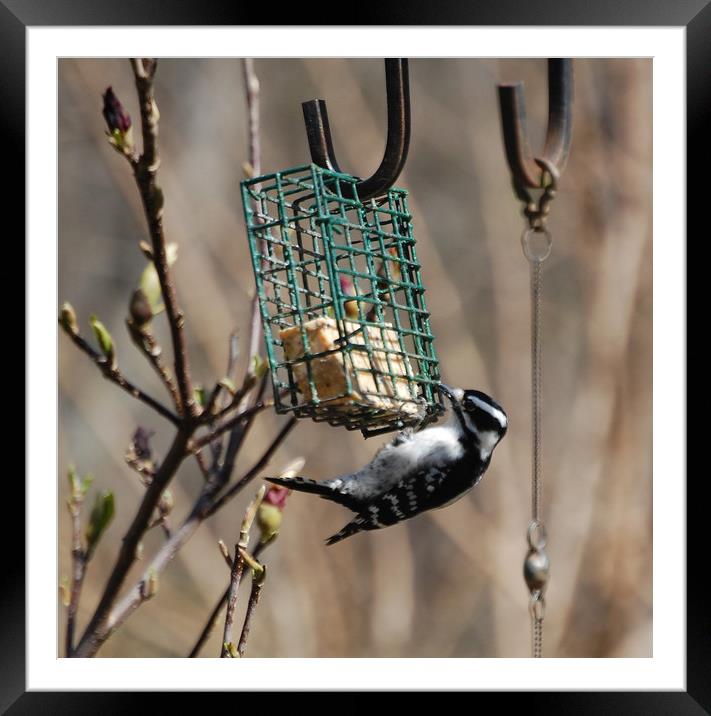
(420, 491)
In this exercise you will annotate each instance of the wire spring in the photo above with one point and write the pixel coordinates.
(537, 243)
(537, 637)
(536, 387)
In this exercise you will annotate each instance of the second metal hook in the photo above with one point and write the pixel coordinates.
(528, 171)
(318, 132)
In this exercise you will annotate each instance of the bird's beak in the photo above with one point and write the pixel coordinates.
(448, 392)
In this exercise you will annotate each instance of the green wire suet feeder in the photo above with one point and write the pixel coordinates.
(342, 303)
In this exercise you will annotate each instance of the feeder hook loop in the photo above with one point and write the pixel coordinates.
(528, 172)
(318, 132)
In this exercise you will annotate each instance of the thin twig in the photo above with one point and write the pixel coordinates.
(232, 355)
(219, 606)
(146, 342)
(112, 373)
(254, 471)
(239, 395)
(145, 171)
(146, 469)
(204, 469)
(79, 562)
(217, 445)
(256, 591)
(235, 579)
(238, 564)
(200, 443)
(251, 83)
(238, 435)
(225, 552)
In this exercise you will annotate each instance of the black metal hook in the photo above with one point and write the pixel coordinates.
(397, 86)
(528, 171)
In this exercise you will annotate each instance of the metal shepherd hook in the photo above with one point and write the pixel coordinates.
(528, 171)
(397, 86)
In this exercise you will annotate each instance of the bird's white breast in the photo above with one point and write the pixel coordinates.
(436, 446)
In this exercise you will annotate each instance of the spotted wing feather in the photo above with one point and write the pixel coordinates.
(409, 497)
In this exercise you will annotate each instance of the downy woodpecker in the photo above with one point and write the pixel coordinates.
(417, 471)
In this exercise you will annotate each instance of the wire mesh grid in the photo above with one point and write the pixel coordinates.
(345, 322)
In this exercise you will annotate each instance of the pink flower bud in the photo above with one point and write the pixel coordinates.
(115, 115)
(269, 515)
(277, 495)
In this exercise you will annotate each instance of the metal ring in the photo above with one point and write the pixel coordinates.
(537, 536)
(533, 254)
(537, 605)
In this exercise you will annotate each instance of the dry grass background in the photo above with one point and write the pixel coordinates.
(447, 583)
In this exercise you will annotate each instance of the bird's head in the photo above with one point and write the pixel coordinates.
(479, 415)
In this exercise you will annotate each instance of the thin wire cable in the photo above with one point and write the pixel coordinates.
(536, 380)
(536, 242)
(537, 632)
(536, 477)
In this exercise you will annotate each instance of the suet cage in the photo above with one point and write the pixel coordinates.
(345, 322)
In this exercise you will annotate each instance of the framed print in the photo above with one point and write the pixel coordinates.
(252, 310)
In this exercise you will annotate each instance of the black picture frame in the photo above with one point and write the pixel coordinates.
(694, 15)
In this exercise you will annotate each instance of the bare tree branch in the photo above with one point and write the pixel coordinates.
(249, 382)
(219, 606)
(204, 468)
(255, 470)
(231, 601)
(145, 172)
(200, 443)
(146, 343)
(98, 630)
(251, 83)
(256, 591)
(111, 612)
(238, 565)
(203, 508)
(112, 373)
(79, 561)
(232, 355)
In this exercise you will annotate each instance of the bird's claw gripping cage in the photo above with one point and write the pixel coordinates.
(345, 323)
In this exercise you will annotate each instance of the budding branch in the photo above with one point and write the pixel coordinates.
(110, 613)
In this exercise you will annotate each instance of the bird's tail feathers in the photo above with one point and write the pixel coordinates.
(324, 489)
(350, 529)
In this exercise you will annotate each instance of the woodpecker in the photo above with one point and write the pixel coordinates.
(417, 471)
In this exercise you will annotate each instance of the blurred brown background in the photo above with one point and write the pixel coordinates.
(447, 583)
